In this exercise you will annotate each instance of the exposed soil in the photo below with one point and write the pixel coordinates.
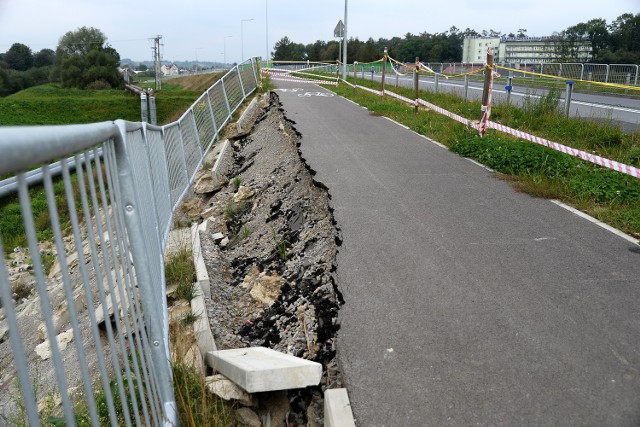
(272, 283)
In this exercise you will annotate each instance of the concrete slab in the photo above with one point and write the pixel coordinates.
(198, 259)
(337, 408)
(259, 369)
(243, 122)
(201, 327)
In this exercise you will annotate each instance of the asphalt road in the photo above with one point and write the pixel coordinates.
(624, 110)
(467, 303)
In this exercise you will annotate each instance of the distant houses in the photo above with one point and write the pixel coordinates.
(170, 70)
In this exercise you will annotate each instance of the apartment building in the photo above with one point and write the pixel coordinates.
(526, 50)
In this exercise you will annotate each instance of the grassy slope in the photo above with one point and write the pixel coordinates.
(52, 105)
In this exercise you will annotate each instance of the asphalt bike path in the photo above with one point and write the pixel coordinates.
(466, 303)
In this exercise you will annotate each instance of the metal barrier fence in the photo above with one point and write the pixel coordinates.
(98, 271)
(625, 74)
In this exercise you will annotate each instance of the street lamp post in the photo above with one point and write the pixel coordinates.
(242, 21)
(344, 44)
(224, 42)
(266, 16)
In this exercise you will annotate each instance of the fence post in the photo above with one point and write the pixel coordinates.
(416, 84)
(436, 78)
(567, 99)
(606, 77)
(213, 117)
(486, 92)
(466, 86)
(143, 107)
(244, 95)
(355, 75)
(154, 319)
(255, 65)
(509, 88)
(384, 70)
(152, 108)
(226, 99)
(487, 78)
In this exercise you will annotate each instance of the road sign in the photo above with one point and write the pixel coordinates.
(339, 30)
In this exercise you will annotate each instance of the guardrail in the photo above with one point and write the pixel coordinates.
(623, 74)
(102, 304)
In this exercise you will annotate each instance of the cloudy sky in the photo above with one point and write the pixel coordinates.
(193, 28)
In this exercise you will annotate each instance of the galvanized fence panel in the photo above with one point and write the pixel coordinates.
(191, 144)
(109, 220)
(92, 283)
(596, 72)
(176, 164)
(218, 104)
(248, 77)
(233, 89)
(160, 176)
(204, 121)
(623, 74)
(572, 71)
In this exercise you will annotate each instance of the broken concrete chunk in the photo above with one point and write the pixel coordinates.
(243, 193)
(44, 350)
(247, 418)
(227, 390)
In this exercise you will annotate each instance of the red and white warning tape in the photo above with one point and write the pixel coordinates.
(286, 76)
(589, 157)
(449, 114)
(400, 97)
(377, 92)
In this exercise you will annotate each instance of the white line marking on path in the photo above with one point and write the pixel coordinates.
(596, 222)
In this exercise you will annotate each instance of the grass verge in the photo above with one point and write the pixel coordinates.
(607, 195)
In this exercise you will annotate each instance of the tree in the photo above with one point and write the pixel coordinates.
(625, 37)
(19, 57)
(44, 58)
(286, 50)
(83, 58)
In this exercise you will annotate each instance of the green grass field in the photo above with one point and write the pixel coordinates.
(52, 105)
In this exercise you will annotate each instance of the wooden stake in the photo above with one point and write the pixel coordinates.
(487, 79)
(384, 70)
(416, 82)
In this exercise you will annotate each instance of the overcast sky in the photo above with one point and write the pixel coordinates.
(191, 28)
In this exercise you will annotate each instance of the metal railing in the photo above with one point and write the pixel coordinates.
(101, 306)
(624, 74)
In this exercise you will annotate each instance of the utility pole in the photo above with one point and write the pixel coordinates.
(157, 60)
